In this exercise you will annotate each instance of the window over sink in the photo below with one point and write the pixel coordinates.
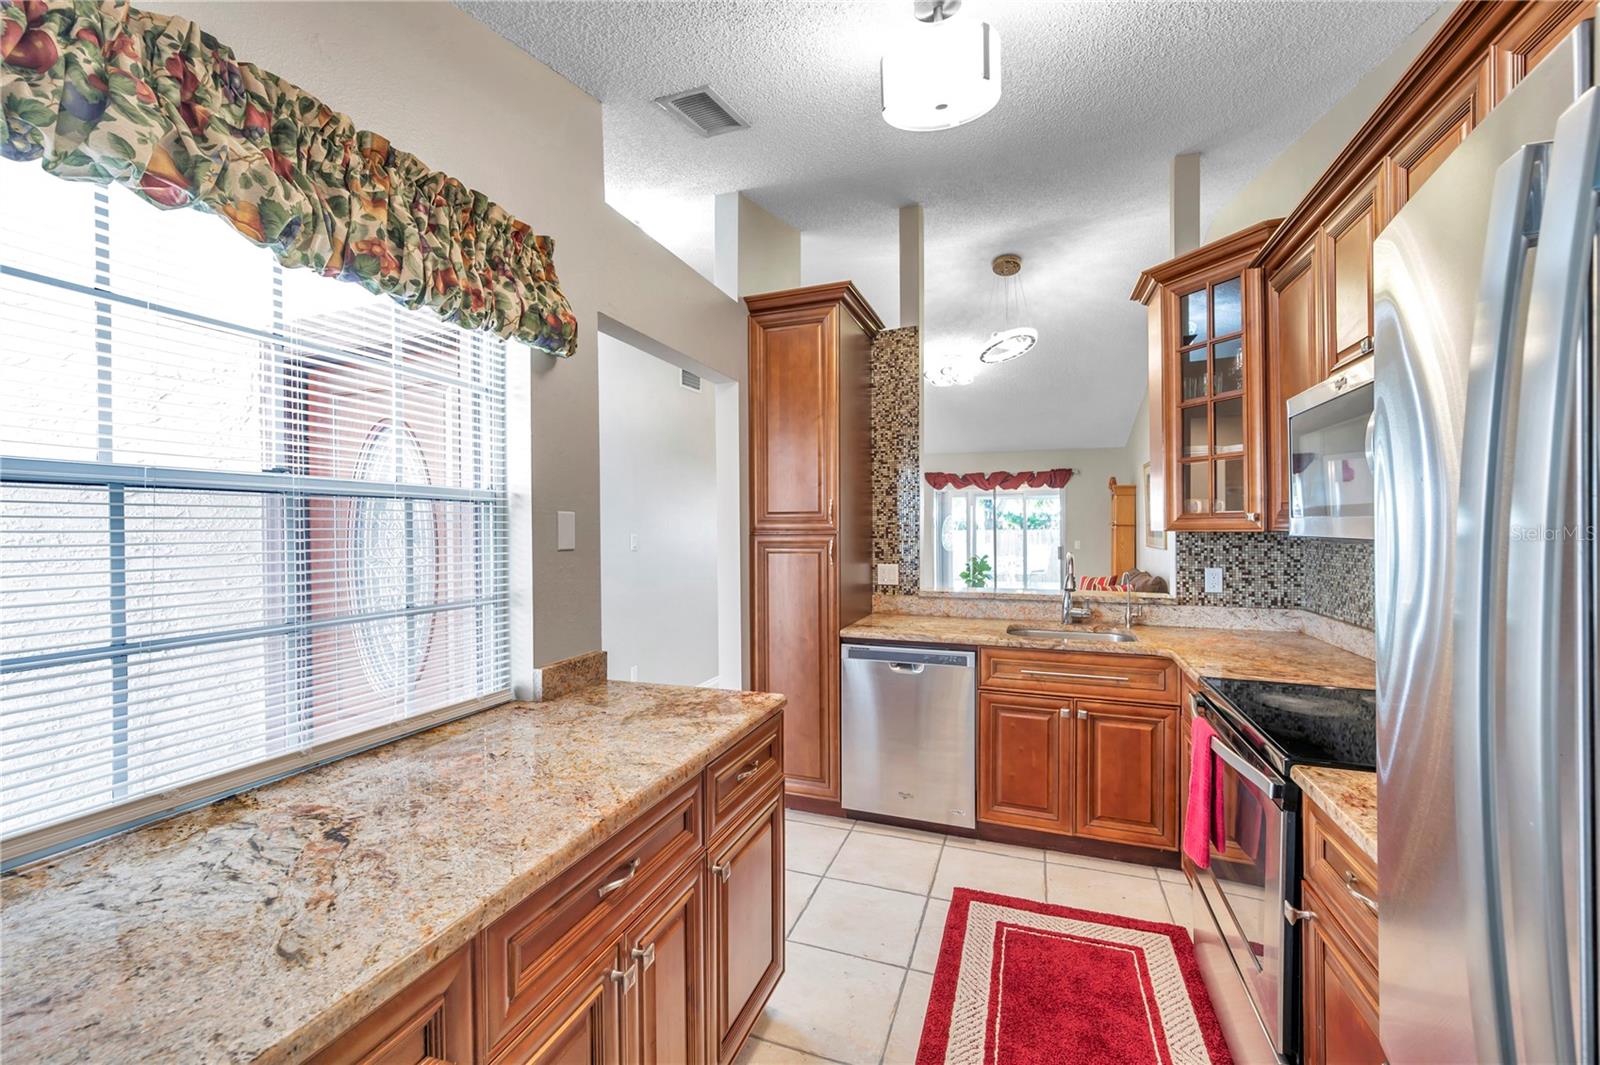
(250, 518)
(996, 540)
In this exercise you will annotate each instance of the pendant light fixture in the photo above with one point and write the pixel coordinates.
(944, 73)
(1010, 340)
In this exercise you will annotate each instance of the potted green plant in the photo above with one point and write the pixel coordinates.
(978, 572)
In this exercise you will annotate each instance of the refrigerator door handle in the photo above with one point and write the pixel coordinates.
(1547, 630)
(1478, 688)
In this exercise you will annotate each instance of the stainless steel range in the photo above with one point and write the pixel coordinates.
(1245, 904)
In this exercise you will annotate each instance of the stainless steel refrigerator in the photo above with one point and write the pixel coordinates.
(1484, 459)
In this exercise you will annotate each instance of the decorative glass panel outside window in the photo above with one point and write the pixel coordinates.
(250, 518)
(996, 541)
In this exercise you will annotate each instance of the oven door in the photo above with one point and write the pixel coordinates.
(1251, 877)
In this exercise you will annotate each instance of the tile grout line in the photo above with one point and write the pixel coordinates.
(905, 975)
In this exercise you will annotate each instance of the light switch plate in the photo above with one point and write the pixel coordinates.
(888, 573)
(566, 530)
(1213, 580)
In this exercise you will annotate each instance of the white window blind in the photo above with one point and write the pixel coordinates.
(250, 518)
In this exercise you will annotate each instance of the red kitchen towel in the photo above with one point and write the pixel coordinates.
(1202, 816)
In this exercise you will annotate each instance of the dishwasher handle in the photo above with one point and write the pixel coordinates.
(906, 659)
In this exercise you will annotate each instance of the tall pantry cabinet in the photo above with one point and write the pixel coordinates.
(811, 510)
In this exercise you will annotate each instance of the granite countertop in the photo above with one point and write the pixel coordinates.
(262, 926)
(1349, 797)
(1245, 654)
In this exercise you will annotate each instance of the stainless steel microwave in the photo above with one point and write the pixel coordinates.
(1330, 476)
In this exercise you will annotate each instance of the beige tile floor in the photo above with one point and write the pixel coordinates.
(866, 909)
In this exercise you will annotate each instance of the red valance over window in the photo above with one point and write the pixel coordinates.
(1000, 479)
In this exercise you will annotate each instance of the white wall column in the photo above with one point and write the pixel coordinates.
(911, 265)
(1185, 203)
(755, 251)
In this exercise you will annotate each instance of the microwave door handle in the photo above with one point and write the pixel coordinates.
(1480, 595)
(1544, 622)
(1273, 789)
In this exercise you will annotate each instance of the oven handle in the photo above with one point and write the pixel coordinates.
(1262, 782)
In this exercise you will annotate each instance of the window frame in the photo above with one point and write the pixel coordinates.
(946, 575)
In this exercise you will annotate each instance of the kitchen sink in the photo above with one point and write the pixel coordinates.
(1071, 634)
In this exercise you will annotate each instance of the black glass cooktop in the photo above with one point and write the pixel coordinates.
(1309, 723)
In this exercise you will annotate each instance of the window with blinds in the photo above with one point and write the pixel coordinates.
(250, 518)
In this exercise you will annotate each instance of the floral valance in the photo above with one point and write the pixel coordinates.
(106, 93)
(1000, 479)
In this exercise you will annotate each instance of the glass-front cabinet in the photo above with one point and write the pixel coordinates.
(1209, 304)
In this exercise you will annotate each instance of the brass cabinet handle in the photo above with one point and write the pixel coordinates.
(620, 882)
(645, 956)
(1350, 883)
(1074, 676)
(722, 872)
(749, 771)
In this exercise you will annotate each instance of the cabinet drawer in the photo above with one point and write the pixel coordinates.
(430, 1021)
(1344, 877)
(738, 778)
(532, 952)
(1143, 678)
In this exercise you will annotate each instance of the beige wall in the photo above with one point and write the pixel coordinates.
(443, 87)
(1282, 183)
(756, 251)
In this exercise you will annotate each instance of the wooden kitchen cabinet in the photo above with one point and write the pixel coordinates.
(666, 1010)
(1339, 993)
(429, 1023)
(1024, 761)
(583, 1025)
(1437, 133)
(811, 509)
(1295, 339)
(1211, 341)
(1347, 273)
(795, 650)
(1079, 744)
(1125, 792)
(746, 878)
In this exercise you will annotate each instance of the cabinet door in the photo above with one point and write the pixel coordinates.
(1126, 774)
(1347, 273)
(746, 925)
(1024, 752)
(1294, 364)
(667, 1008)
(795, 650)
(794, 418)
(1436, 135)
(1340, 994)
(1538, 28)
(584, 1025)
(429, 1022)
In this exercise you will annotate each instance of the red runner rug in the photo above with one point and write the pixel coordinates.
(1027, 983)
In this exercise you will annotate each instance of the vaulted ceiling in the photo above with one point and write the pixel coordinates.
(1070, 169)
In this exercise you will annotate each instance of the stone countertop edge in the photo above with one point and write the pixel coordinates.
(1350, 799)
(1284, 656)
(263, 926)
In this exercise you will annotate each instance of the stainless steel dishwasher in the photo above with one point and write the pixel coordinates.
(908, 741)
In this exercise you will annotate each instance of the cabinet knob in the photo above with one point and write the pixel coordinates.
(1066, 711)
(626, 978)
(1294, 916)
(645, 956)
(722, 872)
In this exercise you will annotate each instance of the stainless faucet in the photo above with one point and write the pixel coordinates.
(1129, 611)
(1069, 584)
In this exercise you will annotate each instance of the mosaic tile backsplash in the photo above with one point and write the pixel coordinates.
(1328, 577)
(897, 455)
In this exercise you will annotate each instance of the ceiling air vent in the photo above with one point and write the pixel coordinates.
(702, 111)
(688, 380)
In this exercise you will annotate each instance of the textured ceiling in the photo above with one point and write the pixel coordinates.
(1070, 169)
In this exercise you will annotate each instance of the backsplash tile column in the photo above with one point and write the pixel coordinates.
(1333, 578)
(897, 456)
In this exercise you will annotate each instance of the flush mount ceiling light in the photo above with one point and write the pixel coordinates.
(944, 73)
(1011, 341)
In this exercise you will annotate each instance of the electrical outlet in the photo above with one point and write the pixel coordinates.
(633, 672)
(633, 541)
(566, 530)
(888, 573)
(1213, 580)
